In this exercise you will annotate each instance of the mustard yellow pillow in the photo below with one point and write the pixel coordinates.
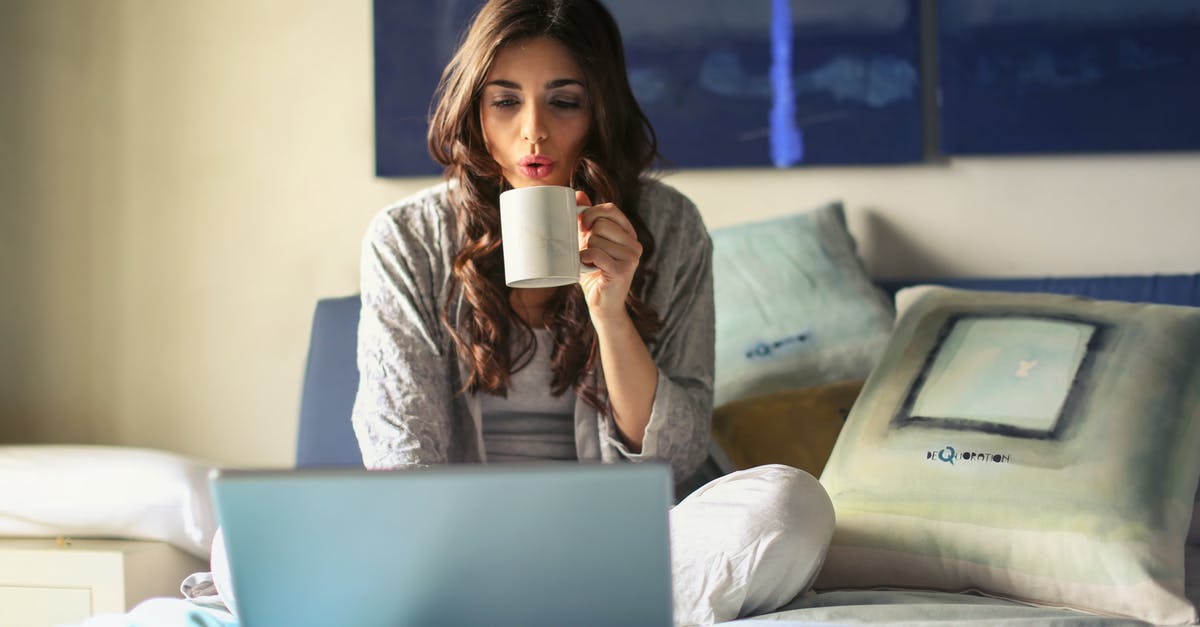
(793, 427)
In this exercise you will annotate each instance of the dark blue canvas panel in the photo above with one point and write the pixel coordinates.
(769, 82)
(777, 83)
(1057, 76)
(413, 42)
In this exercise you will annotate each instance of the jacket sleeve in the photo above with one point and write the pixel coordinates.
(403, 408)
(681, 416)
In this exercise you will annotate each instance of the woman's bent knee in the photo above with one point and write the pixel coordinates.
(805, 519)
(762, 533)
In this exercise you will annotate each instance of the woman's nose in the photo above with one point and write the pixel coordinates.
(532, 129)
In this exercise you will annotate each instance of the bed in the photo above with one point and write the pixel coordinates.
(843, 353)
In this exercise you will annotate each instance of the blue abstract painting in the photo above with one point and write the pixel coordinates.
(748, 83)
(1046, 76)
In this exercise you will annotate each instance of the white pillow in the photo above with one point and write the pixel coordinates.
(104, 491)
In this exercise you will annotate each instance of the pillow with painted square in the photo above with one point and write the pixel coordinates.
(1038, 447)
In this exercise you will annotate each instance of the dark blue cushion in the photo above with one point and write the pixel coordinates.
(1166, 289)
(326, 437)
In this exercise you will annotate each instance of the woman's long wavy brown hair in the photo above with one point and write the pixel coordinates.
(619, 148)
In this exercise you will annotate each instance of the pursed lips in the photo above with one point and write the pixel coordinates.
(535, 166)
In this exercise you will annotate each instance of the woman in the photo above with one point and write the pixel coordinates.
(515, 108)
(457, 367)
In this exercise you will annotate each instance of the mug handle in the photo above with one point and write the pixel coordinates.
(585, 268)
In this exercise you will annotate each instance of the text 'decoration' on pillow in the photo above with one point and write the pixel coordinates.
(794, 306)
(1037, 447)
(106, 492)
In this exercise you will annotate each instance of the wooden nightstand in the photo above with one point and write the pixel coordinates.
(43, 583)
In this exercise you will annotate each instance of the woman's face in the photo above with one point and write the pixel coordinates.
(535, 113)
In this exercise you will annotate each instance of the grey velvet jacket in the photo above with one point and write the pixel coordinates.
(408, 411)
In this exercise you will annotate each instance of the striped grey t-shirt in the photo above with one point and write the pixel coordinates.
(530, 424)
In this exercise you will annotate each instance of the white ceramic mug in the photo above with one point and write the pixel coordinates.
(541, 236)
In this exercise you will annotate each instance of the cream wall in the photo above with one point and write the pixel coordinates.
(183, 179)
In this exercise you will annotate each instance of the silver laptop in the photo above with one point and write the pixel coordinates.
(496, 545)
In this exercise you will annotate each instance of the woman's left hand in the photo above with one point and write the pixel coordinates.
(608, 242)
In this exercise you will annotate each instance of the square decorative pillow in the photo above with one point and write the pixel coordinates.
(1037, 447)
(795, 427)
(794, 306)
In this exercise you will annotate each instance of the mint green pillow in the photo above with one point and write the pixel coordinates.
(794, 306)
(1037, 447)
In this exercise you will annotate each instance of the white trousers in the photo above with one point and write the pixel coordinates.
(745, 543)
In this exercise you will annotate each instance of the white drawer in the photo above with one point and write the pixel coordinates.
(44, 607)
(45, 583)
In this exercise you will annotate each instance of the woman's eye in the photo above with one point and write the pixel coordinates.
(504, 103)
(560, 103)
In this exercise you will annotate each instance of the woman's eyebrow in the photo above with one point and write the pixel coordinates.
(563, 82)
(554, 84)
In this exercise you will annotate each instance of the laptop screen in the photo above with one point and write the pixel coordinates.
(499, 545)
